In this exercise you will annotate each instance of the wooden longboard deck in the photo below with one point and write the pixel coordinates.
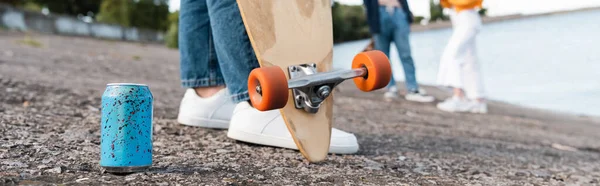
(284, 33)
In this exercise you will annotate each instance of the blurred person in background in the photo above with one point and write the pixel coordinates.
(389, 21)
(458, 67)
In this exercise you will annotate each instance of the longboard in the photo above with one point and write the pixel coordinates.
(293, 42)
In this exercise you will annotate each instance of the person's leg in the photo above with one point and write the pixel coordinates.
(402, 42)
(233, 47)
(457, 59)
(237, 59)
(383, 40)
(473, 85)
(450, 69)
(198, 65)
(205, 103)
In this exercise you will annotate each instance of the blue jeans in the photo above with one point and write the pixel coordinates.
(214, 47)
(395, 28)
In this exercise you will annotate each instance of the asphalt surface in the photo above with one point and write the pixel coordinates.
(50, 89)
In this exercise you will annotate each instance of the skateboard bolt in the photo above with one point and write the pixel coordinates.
(323, 92)
(299, 99)
(258, 90)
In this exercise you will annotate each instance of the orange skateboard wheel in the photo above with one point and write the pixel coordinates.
(379, 71)
(268, 88)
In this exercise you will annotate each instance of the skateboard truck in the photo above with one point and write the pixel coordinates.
(269, 87)
(311, 88)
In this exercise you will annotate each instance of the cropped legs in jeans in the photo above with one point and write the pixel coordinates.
(396, 28)
(215, 49)
(458, 66)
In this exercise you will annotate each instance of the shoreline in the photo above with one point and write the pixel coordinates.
(495, 19)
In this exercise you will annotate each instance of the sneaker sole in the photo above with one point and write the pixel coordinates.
(479, 111)
(261, 139)
(282, 142)
(201, 122)
(420, 101)
(475, 111)
(447, 110)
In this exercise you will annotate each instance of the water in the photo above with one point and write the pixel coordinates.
(550, 62)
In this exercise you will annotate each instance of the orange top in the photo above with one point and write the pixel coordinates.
(460, 5)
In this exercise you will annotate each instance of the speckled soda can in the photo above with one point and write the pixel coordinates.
(126, 128)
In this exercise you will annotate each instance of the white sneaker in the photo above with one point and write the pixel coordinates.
(268, 128)
(391, 94)
(211, 112)
(455, 104)
(479, 107)
(419, 97)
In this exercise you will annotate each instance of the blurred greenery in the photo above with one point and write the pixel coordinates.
(149, 14)
(30, 41)
(172, 38)
(436, 12)
(68, 7)
(418, 19)
(115, 12)
(34, 7)
(483, 12)
(349, 22)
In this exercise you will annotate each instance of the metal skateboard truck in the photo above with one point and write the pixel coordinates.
(311, 88)
(370, 70)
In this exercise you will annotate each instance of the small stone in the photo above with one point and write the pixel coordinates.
(432, 182)
(82, 179)
(15, 164)
(411, 114)
(222, 151)
(540, 174)
(162, 184)
(419, 170)
(93, 108)
(563, 147)
(581, 179)
(402, 158)
(373, 165)
(24, 174)
(42, 166)
(157, 128)
(46, 161)
(520, 174)
(55, 170)
(129, 178)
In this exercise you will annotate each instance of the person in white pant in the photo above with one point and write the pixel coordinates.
(459, 66)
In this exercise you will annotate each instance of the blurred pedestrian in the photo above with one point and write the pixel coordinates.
(459, 68)
(389, 21)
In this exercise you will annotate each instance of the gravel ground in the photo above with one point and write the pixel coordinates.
(49, 131)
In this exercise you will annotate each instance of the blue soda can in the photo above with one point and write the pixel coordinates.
(126, 128)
